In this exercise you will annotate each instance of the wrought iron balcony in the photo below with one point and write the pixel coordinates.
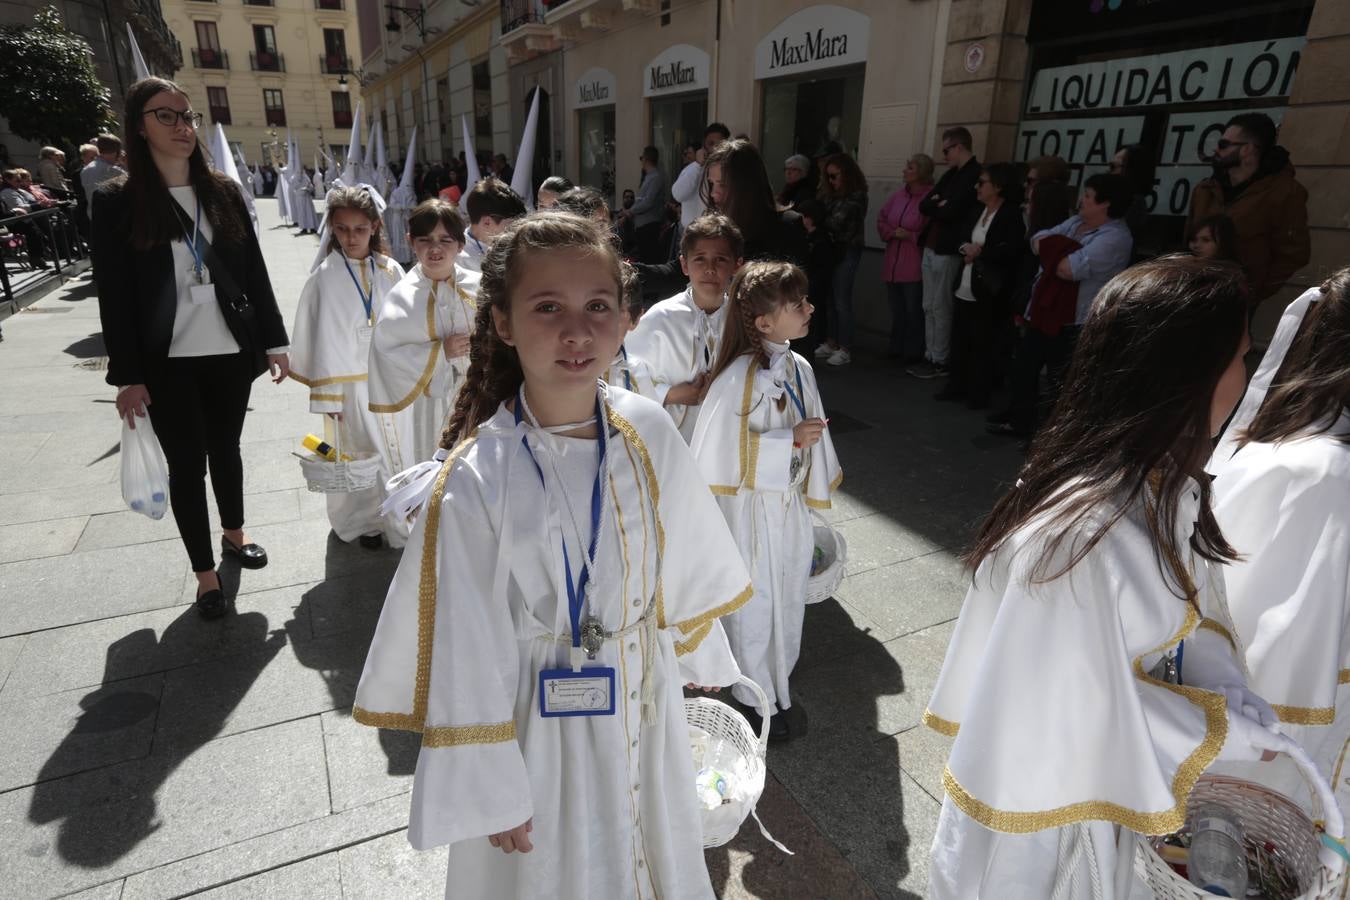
(262, 61)
(275, 116)
(516, 13)
(209, 58)
(524, 33)
(334, 63)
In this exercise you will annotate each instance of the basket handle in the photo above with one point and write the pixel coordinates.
(840, 548)
(1332, 852)
(764, 705)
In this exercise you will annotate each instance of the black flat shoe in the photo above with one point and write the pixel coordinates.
(211, 604)
(372, 541)
(250, 556)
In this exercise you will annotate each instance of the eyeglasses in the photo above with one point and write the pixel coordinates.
(833, 176)
(948, 148)
(169, 117)
(1224, 144)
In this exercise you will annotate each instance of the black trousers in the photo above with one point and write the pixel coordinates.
(197, 407)
(649, 243)
(971, 363)
(1035, 351)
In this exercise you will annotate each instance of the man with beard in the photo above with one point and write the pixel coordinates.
(1254, 184)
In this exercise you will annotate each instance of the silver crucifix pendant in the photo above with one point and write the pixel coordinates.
(592, 636)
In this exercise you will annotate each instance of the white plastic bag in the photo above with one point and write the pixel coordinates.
(145, 478)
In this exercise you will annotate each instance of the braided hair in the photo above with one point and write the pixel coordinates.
(759, 289)
(494, 367)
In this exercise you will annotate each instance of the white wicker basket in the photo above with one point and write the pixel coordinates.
(823, 584)
(346, 476)
(732, 745)
(1266, 816)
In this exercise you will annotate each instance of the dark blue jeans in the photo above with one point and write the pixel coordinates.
(841, 310)
(906, 300)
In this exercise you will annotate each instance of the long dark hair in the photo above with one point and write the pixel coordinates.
(154, 221)
(750, 200)
(494, 368)
(759, 289)
(1312, 387)
(1135, 409)
(851, 178)
(359, 199)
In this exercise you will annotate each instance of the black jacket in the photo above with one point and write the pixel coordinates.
(995, 273)
(138, 293)
(784, 239)
(957, 187)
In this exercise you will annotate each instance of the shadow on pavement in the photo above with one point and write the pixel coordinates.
(343, 610)
(88, 347)
(103, 819)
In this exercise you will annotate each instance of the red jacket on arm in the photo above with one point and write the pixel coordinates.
(1054, 300)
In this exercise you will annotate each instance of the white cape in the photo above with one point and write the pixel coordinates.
(470, 259)
(478, 608)
(407, 363)
(743, 444)
(678, 342)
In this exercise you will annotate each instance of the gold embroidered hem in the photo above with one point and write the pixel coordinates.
(725, 490)
(1305, 715)
(463, 735)
(939, 724)
(424, 382)
(325, 398)
(688, 626)
(1343, 677)
(692, 643)
(324, 382)
(399, 721)
(1220, 630)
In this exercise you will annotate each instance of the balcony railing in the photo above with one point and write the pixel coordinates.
(220, 114)
(334, 63)
(258, 2)
(516, 13)
(209, 58)
(262, 61)
(330, 4)
(342, 118)
(275, 116)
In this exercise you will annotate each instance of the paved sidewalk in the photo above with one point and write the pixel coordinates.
(149, 754)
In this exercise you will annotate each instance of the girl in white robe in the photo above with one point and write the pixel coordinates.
(479, 615)
(1282, 497)
(420, 351)
(330, 350)
(762, 446)
(1071, 729)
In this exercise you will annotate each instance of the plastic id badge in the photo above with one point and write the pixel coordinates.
(564, 692)
(364, 333)
(202, 294)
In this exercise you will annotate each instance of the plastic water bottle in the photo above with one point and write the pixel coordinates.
(1218, 861)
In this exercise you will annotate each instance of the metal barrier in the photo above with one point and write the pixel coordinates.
(47, 220)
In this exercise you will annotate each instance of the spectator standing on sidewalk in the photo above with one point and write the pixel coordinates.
(188, 317)
(843, 190)
(948, 208)
(51, 169)
(1254, 185)
(103, 168)
(649, 209)
(898, 225)
(797, 185)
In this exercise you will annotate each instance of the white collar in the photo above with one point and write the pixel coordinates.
(770, 380)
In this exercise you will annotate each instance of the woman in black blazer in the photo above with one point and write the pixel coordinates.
(188, 317)
(995, 238)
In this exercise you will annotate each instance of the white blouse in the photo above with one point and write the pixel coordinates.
(963, 291)
(199, 329)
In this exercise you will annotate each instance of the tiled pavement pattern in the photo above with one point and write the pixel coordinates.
(148, 754)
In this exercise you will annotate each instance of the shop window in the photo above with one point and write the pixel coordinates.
(811, 116)
(675, 122)
(596, 130)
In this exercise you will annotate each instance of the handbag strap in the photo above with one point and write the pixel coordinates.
(220, 273)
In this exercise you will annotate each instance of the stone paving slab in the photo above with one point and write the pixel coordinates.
(312, 879)
(34, 540)
(366, 764)
(909, 596)
(390, 867)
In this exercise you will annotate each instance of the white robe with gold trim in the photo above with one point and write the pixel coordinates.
(478, 607)
(631, 374)
(408, 367)
(1061, 735)
(743, 444)
(1286, 508)
(678, 342)
(329, 357)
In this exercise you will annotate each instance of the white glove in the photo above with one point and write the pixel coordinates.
(1248, 739)
(1241, 701)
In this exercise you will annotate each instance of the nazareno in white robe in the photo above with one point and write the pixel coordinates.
(1065, 743)
(408, 368)
(678, 342)
(329, 356)
(478, 607)
(743, 444)
(1286, 508)
(302, 202)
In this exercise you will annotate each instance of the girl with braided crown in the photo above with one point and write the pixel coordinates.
(564, 579)
(762, 445)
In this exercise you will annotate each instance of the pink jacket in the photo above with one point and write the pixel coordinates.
(902, 211)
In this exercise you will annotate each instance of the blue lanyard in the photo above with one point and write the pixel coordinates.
(197, 263)
(365, 299)
(576, 595)
(797, 395)
(627, 381)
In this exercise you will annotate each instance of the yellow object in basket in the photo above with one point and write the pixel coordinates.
(316, 444)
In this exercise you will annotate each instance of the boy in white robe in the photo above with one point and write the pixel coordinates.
(678, 337)
(420, 350)
(1282, 497)
(1060, 685)
(330, 354)
(491, 205)
(627, 371)
(480, 616)
(762, 446)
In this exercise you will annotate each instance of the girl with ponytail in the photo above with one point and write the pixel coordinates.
(563, 582)
(762, 445)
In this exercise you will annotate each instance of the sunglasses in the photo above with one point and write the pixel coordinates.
(169, 117)
(833, 176)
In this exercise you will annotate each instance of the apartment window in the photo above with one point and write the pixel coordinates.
(207, 54)
(257, 2)
(265, 55)
(329, 4)
(482, 104)
(342, 109)
(219, 104)
(273, 107)
(335, 50)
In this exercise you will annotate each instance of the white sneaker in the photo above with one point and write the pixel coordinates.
(824, 350)
(839, 357)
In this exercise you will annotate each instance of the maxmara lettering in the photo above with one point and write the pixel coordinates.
(811, 48)
(674, 74)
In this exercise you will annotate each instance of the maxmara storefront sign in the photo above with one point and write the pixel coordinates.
(595, 87)
(676, 70)
(818, 37)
